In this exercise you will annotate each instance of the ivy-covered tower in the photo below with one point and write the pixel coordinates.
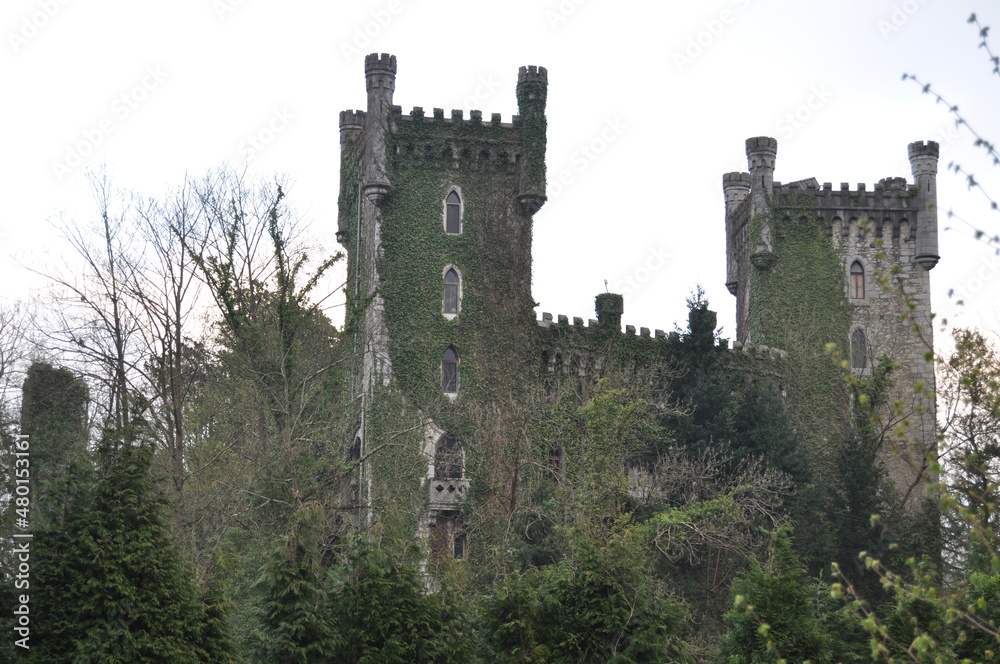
(435, 215)
(809, 264)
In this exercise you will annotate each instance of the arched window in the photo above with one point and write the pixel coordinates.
(857, 285)
(452, 289)
(448, 458)
(449, 371)
(859, 349)
(453, 214)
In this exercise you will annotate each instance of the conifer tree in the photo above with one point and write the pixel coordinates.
(138, 602)
(772, 618)
(296, 628)
(382, 613)
(600, 603)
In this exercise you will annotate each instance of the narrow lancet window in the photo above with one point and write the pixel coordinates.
(451, 291)
(449, 371)
(857, 286)
(859, 349)
(453, 214)
(448, 459)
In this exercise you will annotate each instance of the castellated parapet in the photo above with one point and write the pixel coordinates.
(854, 263)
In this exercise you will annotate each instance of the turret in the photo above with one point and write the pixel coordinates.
(610, 307)
(923, 163)
(351, 124)
(532, 90)
(761, 153)
(380, 79)
(735, 186)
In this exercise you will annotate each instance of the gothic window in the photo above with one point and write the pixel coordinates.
(453, 214)
(459, 548)
(857, 285)
(859, 349)
(452, 285)
(448, 458)
(449, 371)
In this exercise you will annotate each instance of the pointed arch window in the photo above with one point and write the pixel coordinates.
(449, 371)
(859, 349)
(857, 281)
(448, 458)
(453, 214)
(452, 291)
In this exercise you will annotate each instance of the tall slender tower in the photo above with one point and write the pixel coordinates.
(435, 215)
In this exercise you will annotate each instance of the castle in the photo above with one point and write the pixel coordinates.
(435, 214)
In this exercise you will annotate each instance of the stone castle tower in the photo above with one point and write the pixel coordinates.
(849, 266)
(435, 214)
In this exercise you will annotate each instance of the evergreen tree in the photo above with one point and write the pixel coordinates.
(598, 604)
(137, 601)
(772, 618)
(296, 628)
(383, 614)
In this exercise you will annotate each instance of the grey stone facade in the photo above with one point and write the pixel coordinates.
(891, 233)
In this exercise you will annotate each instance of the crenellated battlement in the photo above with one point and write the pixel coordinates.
(457, 117)
(761, 153)
(572, 332)
(352, 119)
(886, 188)
(923, 157)
(532, 73)
(380, 62)
(575, 324)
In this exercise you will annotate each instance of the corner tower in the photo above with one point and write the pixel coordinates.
(811, 265)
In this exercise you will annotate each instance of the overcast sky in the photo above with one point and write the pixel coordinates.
(649, 104)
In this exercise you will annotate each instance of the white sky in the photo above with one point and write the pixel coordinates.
(201, 76)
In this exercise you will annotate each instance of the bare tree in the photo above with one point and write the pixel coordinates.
(93, 323)
(166, 290)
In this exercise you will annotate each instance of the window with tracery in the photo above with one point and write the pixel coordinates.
(448, 458)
